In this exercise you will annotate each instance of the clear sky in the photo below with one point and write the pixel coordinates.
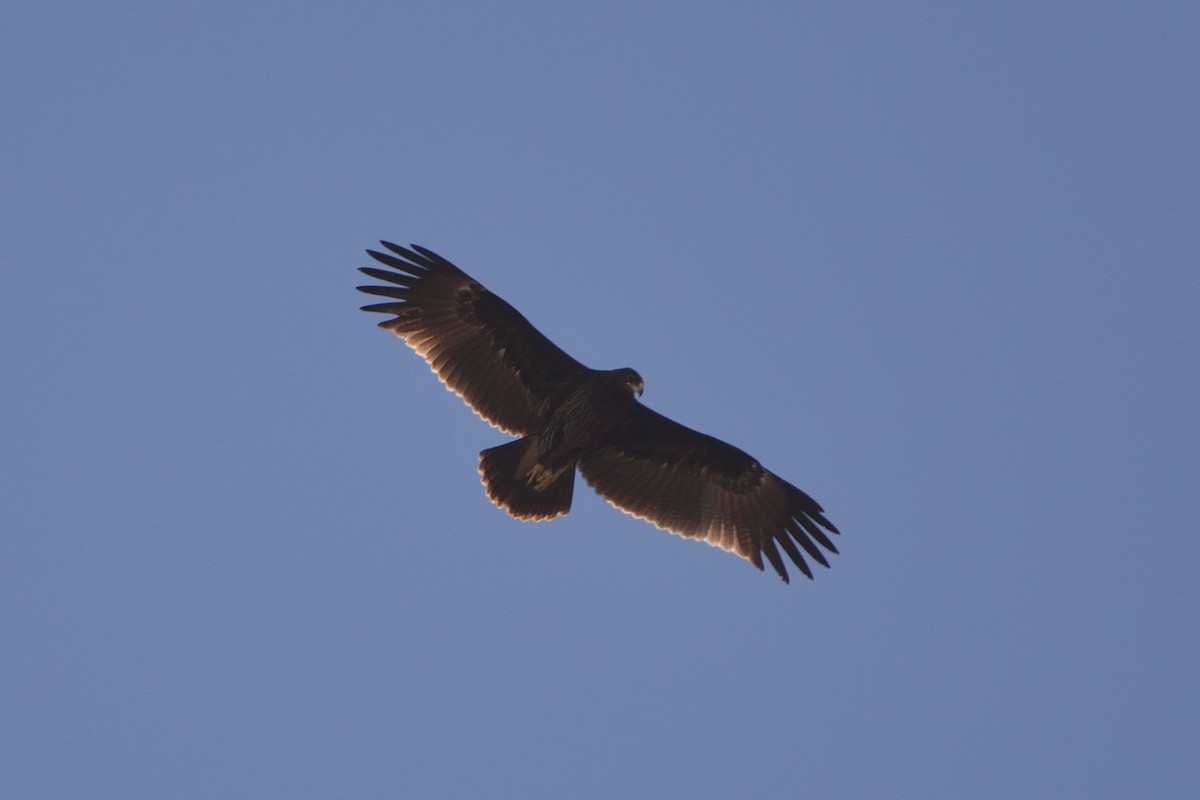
(936, 264)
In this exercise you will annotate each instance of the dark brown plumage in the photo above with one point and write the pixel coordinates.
(569, 416)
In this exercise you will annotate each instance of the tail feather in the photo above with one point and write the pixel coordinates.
(525, 491)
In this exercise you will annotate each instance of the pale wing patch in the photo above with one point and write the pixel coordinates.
(423, 350)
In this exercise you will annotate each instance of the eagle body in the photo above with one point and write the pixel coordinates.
(570, 417)
(533, 477)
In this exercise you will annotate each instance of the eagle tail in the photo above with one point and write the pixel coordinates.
(526, 493)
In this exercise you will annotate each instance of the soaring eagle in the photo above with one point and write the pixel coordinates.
(569, 416)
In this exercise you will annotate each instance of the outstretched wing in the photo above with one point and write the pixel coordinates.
(700, 487)
(479, 346)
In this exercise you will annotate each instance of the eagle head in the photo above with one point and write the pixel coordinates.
(631, 379)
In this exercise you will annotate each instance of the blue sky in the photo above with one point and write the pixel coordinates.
(936, 264)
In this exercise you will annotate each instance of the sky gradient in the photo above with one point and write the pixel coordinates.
(935, 264)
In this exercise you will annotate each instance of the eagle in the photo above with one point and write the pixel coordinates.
(568, 416)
